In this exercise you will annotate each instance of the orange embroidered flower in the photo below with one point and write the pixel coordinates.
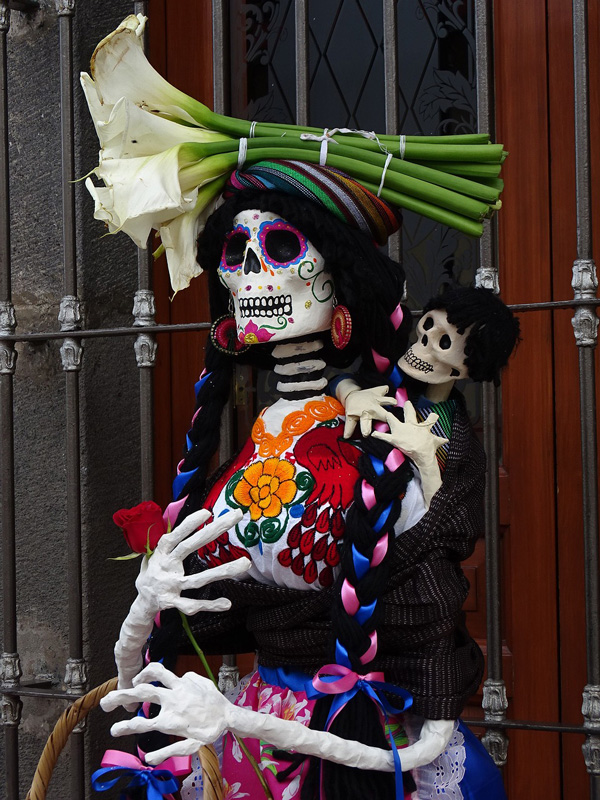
(265, 486)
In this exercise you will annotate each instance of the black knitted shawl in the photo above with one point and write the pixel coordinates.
(423, 643)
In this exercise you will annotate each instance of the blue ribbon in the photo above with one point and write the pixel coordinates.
(374, 689)
(158, 782)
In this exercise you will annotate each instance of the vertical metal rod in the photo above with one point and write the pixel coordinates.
(302, 66)
(585, 323)
(145, 346)
(10, 669)
(494, 700)
(221, 62)
(5, 277)
(390, 60)
(221, 99)
(71, 352)
(67, 148)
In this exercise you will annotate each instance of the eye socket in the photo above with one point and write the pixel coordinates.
(428, 323)
(235, 248)
(445, 342)
(282, 246)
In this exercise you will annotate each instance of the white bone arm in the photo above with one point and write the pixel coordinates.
(362, 405)
(192, 707)
(161, 581)
(416, 440)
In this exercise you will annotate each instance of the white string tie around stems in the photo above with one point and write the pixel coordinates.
(402, 143)
(252, 130)
(385, 167)
(242, 152)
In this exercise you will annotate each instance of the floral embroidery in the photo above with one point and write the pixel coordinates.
(294, 424)
(265, 487)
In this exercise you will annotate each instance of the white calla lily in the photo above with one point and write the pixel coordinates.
(142, 193)
(120, 68)
(130, 132)
(180, 235)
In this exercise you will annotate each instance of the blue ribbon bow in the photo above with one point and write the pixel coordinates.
(334, 679)
(158, 782)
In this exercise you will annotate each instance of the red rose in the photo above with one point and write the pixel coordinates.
(142, 525)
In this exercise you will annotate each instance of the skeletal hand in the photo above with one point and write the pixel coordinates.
(161, 581)
(412, 437)
(416, 440)
(365, 405)
(191, 707)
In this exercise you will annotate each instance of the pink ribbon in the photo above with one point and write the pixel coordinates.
(368, 495)
(178, 765)
(397, 316)
(348, 679)
(381, 362)
(394, 460)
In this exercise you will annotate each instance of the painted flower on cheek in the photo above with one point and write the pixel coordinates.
(252, 334)
(265, 487)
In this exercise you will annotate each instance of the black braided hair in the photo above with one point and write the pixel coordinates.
(369, 284)
(494, 330)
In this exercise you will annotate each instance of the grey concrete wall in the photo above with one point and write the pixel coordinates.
(109, 383)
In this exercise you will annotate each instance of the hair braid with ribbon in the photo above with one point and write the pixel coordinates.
(369, 532)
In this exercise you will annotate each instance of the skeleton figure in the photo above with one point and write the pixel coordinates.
(282, 289)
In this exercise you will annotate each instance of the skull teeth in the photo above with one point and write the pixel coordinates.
(417, 363)
(271, 306)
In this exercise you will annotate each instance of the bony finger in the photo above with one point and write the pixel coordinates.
(155, 671)
(349, 426)
(410, 415)
(385, 437)
(191, 607)
(365, 424)
(119, 697)
(229, 570)
(183, 530)
(432, 418)
(185, 747)
(134, 725)
(209, 533)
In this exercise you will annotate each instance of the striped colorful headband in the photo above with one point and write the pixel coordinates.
(334, 190)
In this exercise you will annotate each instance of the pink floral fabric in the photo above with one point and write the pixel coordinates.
(239, 779)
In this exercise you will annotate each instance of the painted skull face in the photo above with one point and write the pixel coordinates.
(438, 355)
(276, 278)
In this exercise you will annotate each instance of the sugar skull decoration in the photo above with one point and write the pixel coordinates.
(277, 279)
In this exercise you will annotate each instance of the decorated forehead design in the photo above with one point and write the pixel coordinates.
(280, 244)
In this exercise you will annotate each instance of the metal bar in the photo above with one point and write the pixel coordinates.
(302, 66)
(221, 93)
(145, 345)
(585, 324)
(71, 354)
(525, 725)
(10, 668)
(494, 702)
(392, 118)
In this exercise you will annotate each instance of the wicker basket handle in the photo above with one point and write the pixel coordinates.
(213, 783)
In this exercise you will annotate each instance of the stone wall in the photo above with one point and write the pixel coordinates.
(109, 383)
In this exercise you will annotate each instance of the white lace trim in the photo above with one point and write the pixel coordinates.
(441, 778)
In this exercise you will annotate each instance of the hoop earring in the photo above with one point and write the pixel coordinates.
(223, 335)
(341, 327)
